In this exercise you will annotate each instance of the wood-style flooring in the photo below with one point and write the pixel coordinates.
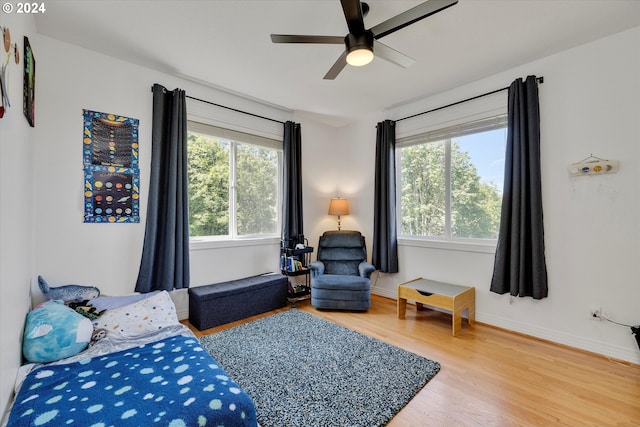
(493, 377)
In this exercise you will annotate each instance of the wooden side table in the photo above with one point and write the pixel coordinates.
(454, 298)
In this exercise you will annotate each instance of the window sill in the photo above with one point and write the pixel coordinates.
(196, 244)
(486, 247)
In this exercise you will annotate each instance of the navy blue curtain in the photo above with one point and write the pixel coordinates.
(165, 254)
(385, 236)
(292, 225)
(520, 267)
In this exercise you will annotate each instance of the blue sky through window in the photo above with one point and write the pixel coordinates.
(487, 151)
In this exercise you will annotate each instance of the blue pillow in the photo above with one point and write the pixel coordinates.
(54, 331)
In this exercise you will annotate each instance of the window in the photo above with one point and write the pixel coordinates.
(234, 183)
(450, 181)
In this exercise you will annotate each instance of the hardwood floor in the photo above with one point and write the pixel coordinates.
(493, 377)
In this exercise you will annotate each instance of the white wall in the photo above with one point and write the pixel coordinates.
(589, 105)
(16, 208)
(108, 255)
(338, 162)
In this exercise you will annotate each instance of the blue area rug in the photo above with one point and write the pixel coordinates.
(301, 370)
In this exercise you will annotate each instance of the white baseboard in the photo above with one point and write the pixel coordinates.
(389, 293)
(599, 347)
(183, 314)
(559, 337)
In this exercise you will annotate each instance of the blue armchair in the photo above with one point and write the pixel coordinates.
(340, 278)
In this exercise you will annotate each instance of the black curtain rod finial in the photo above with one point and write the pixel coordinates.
(164, 89)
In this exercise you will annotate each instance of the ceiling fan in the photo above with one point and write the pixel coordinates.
(360, 43)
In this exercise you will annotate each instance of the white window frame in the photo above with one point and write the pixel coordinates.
(433, 124)
(236, 138)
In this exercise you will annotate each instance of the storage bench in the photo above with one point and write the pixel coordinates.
(225, 302)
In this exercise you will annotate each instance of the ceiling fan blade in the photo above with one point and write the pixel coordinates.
(412, 15)
(292, 38)
(337, 67)
(353, 14)
(385, 52)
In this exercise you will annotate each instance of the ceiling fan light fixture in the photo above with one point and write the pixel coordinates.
(359, 49)
(359, 57)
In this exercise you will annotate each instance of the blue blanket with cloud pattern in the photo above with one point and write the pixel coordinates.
(172, 382)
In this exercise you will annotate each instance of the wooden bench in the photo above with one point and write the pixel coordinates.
(454, 298)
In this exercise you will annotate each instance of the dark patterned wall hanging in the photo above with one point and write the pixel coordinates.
(111, 172)
(29, 84)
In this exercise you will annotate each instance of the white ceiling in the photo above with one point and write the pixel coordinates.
(226, 43)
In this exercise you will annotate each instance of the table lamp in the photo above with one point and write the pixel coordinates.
(338, 207)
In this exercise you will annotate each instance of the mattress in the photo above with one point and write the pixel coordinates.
(159, 378)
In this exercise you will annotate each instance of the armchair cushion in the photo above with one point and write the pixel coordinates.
(342, 252)
(339, 282)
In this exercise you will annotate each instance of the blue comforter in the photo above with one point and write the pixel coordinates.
(172, 382)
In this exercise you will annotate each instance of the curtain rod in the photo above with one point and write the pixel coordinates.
(538, 79)
(232, 109)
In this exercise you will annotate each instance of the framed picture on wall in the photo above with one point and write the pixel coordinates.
(111, 173)
(111, 194)
(29, 84)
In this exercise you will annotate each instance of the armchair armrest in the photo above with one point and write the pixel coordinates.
(317, 268)
(366, 268)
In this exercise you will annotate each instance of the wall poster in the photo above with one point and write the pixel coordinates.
(111, 172)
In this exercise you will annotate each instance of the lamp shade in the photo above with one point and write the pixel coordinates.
(339, 207)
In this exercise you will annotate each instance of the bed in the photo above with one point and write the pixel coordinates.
(148, 370)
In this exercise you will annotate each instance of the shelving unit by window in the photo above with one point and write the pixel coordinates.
(293, 263)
